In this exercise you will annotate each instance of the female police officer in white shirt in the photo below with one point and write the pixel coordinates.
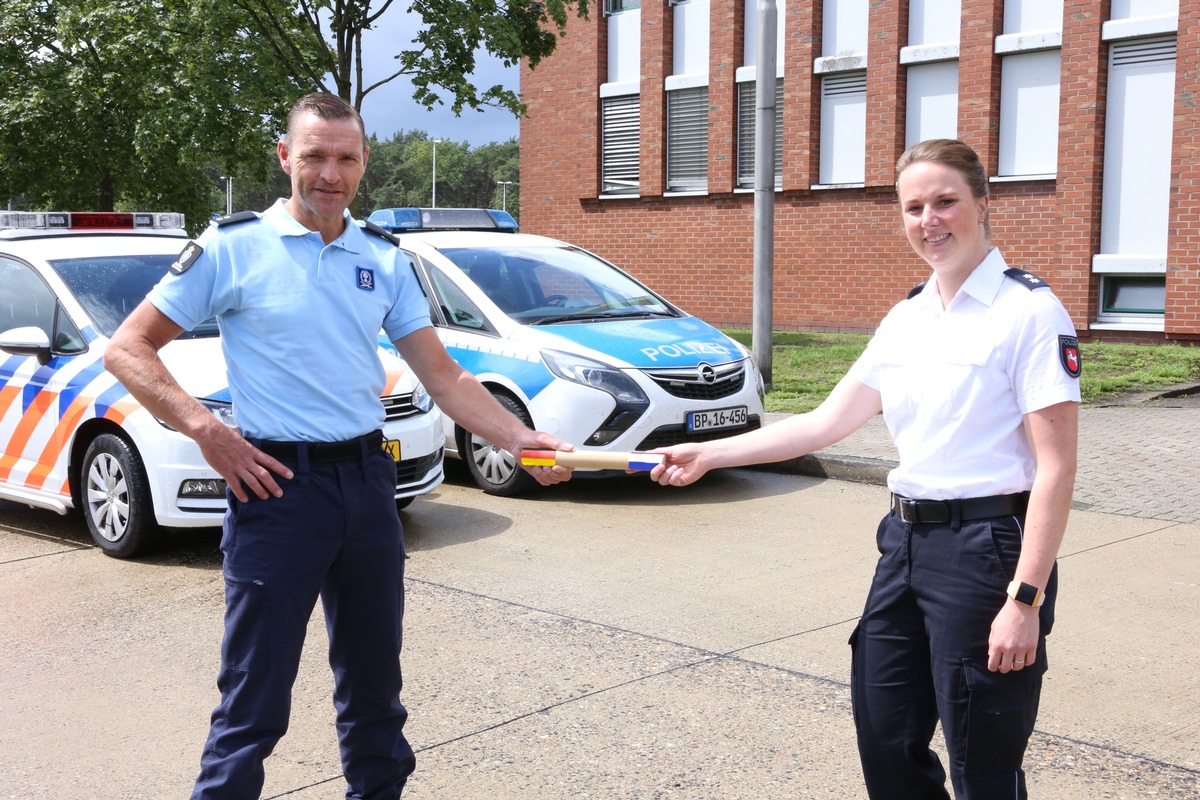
(976, 374)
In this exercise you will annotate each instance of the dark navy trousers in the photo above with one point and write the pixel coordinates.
(920, 656)
(334, 534)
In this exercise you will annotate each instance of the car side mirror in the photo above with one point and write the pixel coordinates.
(28, 341)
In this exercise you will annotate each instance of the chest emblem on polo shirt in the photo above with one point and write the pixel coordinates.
(366, 279)
(1068, 354)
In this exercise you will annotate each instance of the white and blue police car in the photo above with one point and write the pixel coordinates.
(570, 343)
(73, 438)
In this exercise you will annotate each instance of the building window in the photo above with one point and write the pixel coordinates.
(1137, 147)
(620, 144)
(615, 6)
(932, 103)
(1029, 101)
(1133, 301)
(747, 106)
(843, 128)
(934, 21)
(844, 27)
(687, 139)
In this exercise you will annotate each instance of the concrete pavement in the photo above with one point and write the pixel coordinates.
(609, 639)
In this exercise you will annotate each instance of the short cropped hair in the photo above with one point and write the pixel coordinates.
(324, 106)
(957, 155)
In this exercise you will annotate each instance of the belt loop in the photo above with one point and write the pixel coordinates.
(302, 452)
(364, 451)
(955, 507)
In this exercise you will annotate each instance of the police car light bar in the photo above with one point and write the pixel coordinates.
(87, 220)
(399, 220)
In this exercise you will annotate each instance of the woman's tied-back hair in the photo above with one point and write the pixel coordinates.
(957, 155)
(324, 106)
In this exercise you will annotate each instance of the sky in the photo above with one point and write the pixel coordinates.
(390, 108)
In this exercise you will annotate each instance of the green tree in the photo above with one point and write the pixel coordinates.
(441, 58)
(400, 173)
(122, 104)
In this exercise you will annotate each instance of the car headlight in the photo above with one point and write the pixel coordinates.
(596, 374)
(631, 401)
(220, 409)
(420, 399)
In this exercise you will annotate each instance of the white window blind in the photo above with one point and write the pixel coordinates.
(746, 133)
(1029, 101)
(1137, 150)
(620, 144)
(932, 102)
(843, 128)
(687, 139)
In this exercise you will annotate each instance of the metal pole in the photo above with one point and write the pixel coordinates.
(433, 199)
(228, 193)
(764, 187)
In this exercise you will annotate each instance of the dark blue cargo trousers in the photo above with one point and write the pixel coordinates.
(334, 534)
(920, 656)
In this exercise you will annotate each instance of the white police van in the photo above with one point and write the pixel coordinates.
(570, 343)
(72, 436)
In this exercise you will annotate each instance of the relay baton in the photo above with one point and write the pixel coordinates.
(626, 461)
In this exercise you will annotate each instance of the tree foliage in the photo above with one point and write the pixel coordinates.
(136, 105)
(126, 104)
(440, 59)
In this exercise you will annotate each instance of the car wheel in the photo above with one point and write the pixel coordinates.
(494, 469)
(116, 497)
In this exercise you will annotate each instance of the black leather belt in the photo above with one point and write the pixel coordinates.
(321, 451)
(936, 511)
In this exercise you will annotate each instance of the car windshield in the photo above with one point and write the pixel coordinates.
(550, 285)
(110, 287)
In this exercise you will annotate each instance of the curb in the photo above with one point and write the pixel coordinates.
(842, 468)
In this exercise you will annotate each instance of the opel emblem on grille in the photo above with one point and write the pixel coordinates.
(707, 373)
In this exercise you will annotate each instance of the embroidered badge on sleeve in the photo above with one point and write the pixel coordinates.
(185, 259)
(1068, 354)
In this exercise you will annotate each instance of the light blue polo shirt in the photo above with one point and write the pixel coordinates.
(299, 321)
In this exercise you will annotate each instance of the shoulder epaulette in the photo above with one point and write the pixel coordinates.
(235, 218)
(916, 290)
(1026, 279)
(371, 227)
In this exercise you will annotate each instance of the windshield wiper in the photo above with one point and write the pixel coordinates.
(600, 317)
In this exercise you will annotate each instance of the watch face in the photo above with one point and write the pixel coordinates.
(1024, 593)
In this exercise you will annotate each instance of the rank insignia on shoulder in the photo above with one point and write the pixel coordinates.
(371, 227)
(1068, 354)
(235, 218)
(916, 290)
(1026, 279)
(185, 259)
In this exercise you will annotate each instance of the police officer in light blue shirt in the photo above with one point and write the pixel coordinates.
(300, 293)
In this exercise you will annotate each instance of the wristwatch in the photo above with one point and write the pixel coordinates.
(1026, 593)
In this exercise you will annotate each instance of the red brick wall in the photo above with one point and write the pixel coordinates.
(841, 260)
(1183, 266)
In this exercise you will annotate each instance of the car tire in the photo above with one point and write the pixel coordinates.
(115, 498)
(404, 502)
(494, 469)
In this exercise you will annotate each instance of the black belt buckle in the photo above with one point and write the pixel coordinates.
(914, 512)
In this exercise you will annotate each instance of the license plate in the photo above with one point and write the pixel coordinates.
(392, 447)
(714, 420)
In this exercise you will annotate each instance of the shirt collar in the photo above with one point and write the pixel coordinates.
(352, 237)
(984, 282)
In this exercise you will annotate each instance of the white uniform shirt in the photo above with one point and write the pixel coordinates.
(956, 383)
(299, 321)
